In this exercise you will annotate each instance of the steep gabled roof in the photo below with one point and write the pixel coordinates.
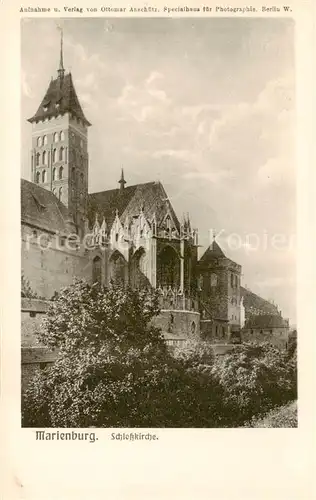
(264, 321)
(214, 251)
(253, 302)
(60, 98)
(42, 209)
(105, 203)
(153, 199)
(150, 197)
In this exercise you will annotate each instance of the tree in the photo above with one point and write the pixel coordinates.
(113, 368)
(255, 378)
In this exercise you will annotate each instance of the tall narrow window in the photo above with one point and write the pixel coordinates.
(38, 175)
(56, 137)
(44, 176)
(39, 141)
(73, 173)
(61, 154)
(54, 155)
(60, 193)
(232, 280)
(62, 136)
(37, 159)
(54, 173)
(45, 140)
(96, 270)
(60, 175)
(44, 158)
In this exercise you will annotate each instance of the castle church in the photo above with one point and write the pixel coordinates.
(129, 234)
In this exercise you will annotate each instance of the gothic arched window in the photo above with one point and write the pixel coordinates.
(168, 267)
(38, 175)
(44, 176)
(45, 140)
(39, 141)
(54, 173)
(56, 137)
(60, 193)
(44, 158)
(60, 174)
(54, 155)
(62, 136)
(96, 270)
(37, 159)
(61, 154)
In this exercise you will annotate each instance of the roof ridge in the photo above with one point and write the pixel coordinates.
(126, 187)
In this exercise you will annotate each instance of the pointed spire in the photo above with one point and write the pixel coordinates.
(188, 222)
(96, 222)
(122, 181)
(61, 70)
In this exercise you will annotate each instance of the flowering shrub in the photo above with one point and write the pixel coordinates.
(255, 378)
(113, 369)
(283, 416)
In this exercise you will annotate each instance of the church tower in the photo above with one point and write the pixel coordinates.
(59, 156)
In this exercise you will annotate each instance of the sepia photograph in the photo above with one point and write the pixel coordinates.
(158, 223)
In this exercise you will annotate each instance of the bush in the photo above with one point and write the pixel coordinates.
(283, 416)
(255, 378)
(113, 368)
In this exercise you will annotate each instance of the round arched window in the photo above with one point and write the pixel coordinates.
(39, 141)
(45, 140)
(56, 137)
(44, 158)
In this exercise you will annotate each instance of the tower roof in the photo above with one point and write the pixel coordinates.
(60, 98)
(214, 251)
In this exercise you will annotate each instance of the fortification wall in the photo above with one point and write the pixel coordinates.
(50, 269)
(178, 324)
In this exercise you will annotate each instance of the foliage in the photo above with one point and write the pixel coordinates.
(114, 369)
(255, 378)
(82, 316)
(26, 289)
(283, 416)
(292, 344)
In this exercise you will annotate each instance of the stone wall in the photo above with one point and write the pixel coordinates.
(178, 325)
(33, 356)
(50, 269)
(275, 336)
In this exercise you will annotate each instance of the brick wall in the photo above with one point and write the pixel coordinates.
(275, 336)
(48, 270)
(178, 324)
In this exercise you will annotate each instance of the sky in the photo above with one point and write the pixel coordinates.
(206, 106)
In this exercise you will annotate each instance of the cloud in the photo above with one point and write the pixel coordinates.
(26, 89)
(154, 75)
